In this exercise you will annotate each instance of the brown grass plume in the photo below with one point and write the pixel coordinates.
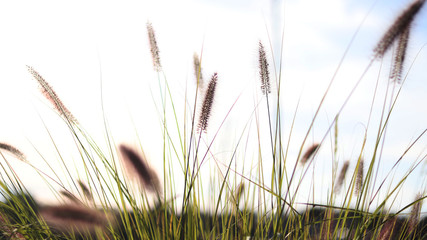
(137, 165)
(399, 58)
(70, 196)
(86, 192)
(341, 177)
(13, 150)
(263, 70)
(155, 53)
(386, 232)
(207, 104)
(402, 22)
(51, 95)
(71, 217)
(309, 153)
(198, 70)
(359, 177)
(415, 214)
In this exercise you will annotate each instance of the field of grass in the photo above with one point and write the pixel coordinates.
(119, 195)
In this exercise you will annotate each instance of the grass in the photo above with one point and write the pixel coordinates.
(120, 196)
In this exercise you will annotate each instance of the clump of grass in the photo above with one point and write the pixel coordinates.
(9, 232)
(205, 112)
(138, 166)
(136, 219)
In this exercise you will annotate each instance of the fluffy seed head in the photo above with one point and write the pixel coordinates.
(207, 104)
(359, 177)
(155, 53)
(387, 229)
(86, 192)
(309, 153)
(402, 22)
(415, 214)
(51, 95)
(138, 166)
(263, 70)
(70, 196)
(73, 217)
(399, 58)
(197, 70)
(13, 150)
(341, 177)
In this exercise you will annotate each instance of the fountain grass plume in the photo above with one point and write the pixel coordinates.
(137, 165)
(415, 214)
(309, 153)
(359, 177)
(71, 217)
(387, 230)
(263, 70)
(51, 95)
(13, 150)
(70, 196)
(399, 26)
(155, 53)
(198, 70)
(207, 104)
(86, 192)
(399, 57)
(342, 175)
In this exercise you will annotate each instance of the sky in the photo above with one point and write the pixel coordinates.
(83, 48)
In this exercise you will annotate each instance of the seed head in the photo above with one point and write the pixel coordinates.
(51, 95)
(137, 165)
(13, 150)
(263, 70)
(309, 153)
(341, 177)
(155, 53)
(197, 70)
(402, 22)
(207, 104)
(399, 58)
(359, 177)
